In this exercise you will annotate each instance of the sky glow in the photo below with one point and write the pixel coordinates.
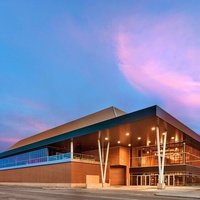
(61, 60)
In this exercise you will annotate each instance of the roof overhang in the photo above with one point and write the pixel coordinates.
(153, 111)
(138, 115)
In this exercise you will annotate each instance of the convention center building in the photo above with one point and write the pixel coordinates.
(110, 147)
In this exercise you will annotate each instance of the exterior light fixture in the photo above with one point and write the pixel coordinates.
(129, 145)
(127, 134)
(153, 128)
(149, 142)
(118, 142)
(164, 133)
(176, 149)
(139, 138)
(172, 138)
(106, 138)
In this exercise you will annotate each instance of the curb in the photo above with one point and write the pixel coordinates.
(177, 196)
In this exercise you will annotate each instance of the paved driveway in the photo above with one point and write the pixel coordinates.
(27, 193)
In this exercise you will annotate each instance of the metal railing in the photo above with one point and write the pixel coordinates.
(65, 157)
(170, 159)
(36, 161)
(84, 157)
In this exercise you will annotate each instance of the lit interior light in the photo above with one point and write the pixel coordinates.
(153, 128)
(176, 149)
(139, 138)
(118, 142)
(149, 142)
(155, 154)
(106, 138)
(172, 138)
(164, 133)
(147, 152)
(129, 145)
(127, 134)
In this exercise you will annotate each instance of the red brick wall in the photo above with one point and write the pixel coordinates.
(80, 170)
(58, 173)
(74, 172)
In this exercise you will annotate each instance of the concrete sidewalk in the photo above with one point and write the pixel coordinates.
(177, 191)
(182, 192)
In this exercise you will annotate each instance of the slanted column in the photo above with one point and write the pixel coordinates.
(106, 162)
(161, 165)
(163, 157)
(103, 166)
(72, 148)
(159, 157)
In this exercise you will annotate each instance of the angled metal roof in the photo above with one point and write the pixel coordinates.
(134, 116)
(102, 115)
(147, 112)
(176, 123)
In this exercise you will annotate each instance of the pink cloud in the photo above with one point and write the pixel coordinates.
(161, 58)
(37, 125)
(9, 140)
(31, 104)
(22, 127)
(24, 124)
(6, 141)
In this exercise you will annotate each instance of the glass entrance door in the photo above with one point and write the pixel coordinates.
(143, 180)
(147, 180)
(169, 180)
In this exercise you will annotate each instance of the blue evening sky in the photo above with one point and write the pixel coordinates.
(63, 59)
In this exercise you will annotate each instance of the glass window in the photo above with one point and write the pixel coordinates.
(25, 158)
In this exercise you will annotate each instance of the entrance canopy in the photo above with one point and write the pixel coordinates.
(131, 134)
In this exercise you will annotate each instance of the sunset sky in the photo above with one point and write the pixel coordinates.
(63, 59)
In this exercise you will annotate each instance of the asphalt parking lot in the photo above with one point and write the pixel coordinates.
(28, 193)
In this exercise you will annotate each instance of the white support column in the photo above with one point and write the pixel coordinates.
(159, 157)
(101, 164)
(163, 156)
(102, 152)
(161, 183)
(72, 148)
(106, 161)
(103, 169)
